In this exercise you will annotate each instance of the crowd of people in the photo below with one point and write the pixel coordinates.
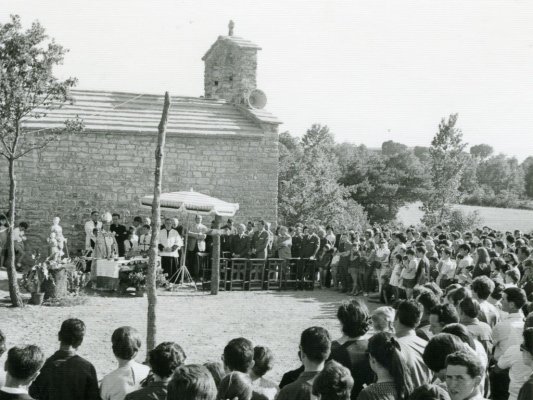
(456, 323)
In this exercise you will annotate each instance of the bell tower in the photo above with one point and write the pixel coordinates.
(230, 67)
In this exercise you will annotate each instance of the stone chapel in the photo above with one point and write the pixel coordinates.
(217, 144)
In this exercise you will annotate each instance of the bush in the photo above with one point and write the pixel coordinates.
(462, 221)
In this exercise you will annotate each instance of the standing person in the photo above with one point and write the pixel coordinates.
(464, 374)
(406, 321)
(284, 244)
(196, 236)
(526, 392)
(89, 227)
(315, 346)
(422, 272)
(482, 287)
(334, 382)
(127, 378)
(297, 241)
(169, 243)
(262, 241)
(22, 368)
(446, 268)
(163, 361)
(65, 375)
(145, 238)
(409, 273)
(121, 233)
(350, 350)
(382, 256)
(386, 360)
(240, 243)
(3, 239)
(136, 225)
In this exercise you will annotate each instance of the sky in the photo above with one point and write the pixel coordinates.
(372, 70)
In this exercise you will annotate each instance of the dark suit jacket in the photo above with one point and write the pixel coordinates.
(296, 249)
(11, 396)
(240, 246)
(310, 246)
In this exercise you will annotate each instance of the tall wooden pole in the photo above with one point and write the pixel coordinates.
(151, 329)
(215, 269)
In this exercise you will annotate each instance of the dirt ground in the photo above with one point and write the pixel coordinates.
(202, 324)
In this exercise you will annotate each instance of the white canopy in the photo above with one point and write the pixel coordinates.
(194, 203)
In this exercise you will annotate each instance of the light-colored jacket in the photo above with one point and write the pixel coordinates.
(196, 235)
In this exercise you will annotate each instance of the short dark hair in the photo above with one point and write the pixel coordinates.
(115, 215)
(458, 295)
(146, 226)
(235, 385)
(461, 332)
(334, 382)
(409, 313)
(428, 299)
(2, 343)
(165, 358)
(410, 251)
(482, 286)
(421, 250)
(429, 391)
(140, 220)
(239, 355)
(94, 212)
(469, 307)
(446, 312)
(525, 250)
(528, 339)
(497, 293)
(465, 247)
(24, 225)
(316, 343)
(438, 348)
(516, 295)
(217, 371)
(513, 274)
(263, 359)
(467, 359)
(72, 332)
(192, 382)
(126, 342)
(354, 318)
(23, 362)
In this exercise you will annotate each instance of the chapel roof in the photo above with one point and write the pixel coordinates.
(233, 40)
(103, 111)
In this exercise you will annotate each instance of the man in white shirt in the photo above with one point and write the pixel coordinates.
(145, 238)
(93, 223)
(22, 367)
(482, 287)
(506, 333)
(509, 331)
(169, 243)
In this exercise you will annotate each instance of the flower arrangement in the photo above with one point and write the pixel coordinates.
(137, 276)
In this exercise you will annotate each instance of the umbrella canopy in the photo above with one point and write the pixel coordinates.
(194, 203)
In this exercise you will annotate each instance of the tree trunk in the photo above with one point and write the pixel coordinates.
(14, 292)
(151, 329)
(215, 269)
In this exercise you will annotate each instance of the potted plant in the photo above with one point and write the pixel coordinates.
(33, 281)
(138, 281)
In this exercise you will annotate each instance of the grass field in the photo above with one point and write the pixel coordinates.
(503, 219)
(202, 324)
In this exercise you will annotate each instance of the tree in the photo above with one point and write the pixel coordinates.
(447, 165)
(151, 320)
(481, 151)
(28, 89)
(382, 183)
(527, 166)
(309, 191)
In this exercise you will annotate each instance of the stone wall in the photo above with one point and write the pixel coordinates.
(112, 171)
(229, 72)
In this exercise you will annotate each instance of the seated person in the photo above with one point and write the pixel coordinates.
(66, 375)
(126, 342)
(238, 355)
(192, 382)
(22, 367)
(163, 360)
